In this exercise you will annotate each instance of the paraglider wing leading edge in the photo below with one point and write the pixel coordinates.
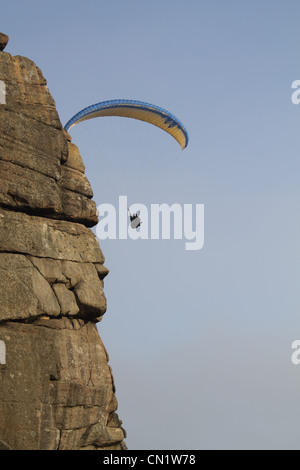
(137, 110)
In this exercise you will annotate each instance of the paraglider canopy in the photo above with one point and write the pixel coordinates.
(137, 110)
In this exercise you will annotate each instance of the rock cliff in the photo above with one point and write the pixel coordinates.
(56, 387)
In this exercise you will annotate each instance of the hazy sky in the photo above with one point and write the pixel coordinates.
(199, 341)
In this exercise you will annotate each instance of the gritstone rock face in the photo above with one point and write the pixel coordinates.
(56, 387)
(3, 41)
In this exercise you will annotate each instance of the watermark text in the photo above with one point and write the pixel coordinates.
(161, 222)
(2, 353)
(2, 92)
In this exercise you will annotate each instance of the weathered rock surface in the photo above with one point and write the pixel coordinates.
(60, 395)
(3, 41)
(34, 150)
(56, 387)
(47, 238)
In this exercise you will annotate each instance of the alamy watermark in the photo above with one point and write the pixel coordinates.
(162, 221)
(296, 344)
(296, 94)
(2, 92)
(296, 354)
(2, 353)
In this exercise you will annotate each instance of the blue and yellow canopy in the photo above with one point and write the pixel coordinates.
(137, 110)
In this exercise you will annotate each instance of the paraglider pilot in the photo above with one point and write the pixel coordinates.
(135, 220)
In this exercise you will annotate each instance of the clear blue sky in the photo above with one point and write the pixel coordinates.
(199, 342)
